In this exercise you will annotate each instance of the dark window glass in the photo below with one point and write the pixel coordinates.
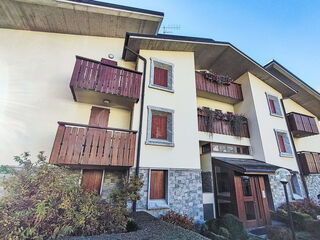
(239, 150)
(245, 150)
(249, 206)
(224, 207)
(222, 180)
(246, 186)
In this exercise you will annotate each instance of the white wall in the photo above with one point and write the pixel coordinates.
(35, 71)
(185, 153)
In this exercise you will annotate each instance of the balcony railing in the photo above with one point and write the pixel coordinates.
(219, 126)
(226, 93)
(310, 162)
(107, 81)
(80, 144)
(302, 125)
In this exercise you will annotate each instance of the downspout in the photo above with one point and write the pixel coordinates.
(134, 204)
(295, 150)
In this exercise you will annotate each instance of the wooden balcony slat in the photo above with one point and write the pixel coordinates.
(231, 91)
(132, 149)
(56, 145)
(220, 126)
(316, 159)
(80, 144)
(105, 78)
(107, 149)
(302, 125)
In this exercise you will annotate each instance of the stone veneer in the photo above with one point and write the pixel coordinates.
(112, 180)
(277, 190)
(313, 184)
(184, 193)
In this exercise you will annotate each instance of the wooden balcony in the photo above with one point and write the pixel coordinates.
(96, 82)
(310, 162)
(220, 126)
(224, 93)
(85, 145)
(302, 125)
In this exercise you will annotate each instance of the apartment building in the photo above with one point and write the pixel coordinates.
(97, 88)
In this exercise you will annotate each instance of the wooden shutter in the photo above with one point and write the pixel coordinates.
(281, 143)
(160, 77)
(293, 187)
(157, 184)
(272, 106)
(159, 127)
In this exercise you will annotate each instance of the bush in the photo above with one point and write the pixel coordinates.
(299, 219)
(279, 233)
(179, 220)
(304, 206)
(313, 226)
(228, 227)
(42, 201)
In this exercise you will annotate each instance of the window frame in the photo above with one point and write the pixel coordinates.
(158, 203)
(163, 65)
(169, 142)
(276, 100)
(283, 133)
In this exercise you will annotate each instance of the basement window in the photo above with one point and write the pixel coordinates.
(160, 126)
(158, 189)
(284, 145)
(161, 75)
(274, 105)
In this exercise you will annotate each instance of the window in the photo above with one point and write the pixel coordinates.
(227, 148)
(160, 126)
(295, 187)
(283, 143)
(161, 75)
(274, 105)
(158, 189)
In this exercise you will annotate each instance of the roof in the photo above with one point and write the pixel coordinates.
(306, 96)
(248, 165)
(218, 56)
(82, 17)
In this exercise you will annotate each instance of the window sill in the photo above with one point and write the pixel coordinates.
(161, 88)
(157, 204)
(276, 115)
(286, 155)
(160, 143)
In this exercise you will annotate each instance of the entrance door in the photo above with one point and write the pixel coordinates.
(253, 209)
(91, 179)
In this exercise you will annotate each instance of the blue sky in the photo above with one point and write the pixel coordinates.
(285, 30)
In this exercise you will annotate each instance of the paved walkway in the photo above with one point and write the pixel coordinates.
(149, 228)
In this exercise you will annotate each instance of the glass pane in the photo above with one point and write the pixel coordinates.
(249, 206)
(224, 207)
(222, 181)
(230, 149)
(215, 147)
(223, 148)
(246, 186)
(238, 150)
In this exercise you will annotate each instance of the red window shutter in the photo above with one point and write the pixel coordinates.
(157, 185)
(159, 127)
(272, 106)
(160, 77)
(281, 144)
(293, 186)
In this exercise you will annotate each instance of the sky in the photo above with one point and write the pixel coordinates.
(285, 30)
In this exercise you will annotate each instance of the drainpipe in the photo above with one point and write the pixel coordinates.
(295, 150)
(134, 204)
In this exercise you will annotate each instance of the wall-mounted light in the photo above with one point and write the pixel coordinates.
(111, 56)
(106, 101)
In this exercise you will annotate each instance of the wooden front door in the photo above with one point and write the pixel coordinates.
(253, 209)
(91, 179)
(99, 117)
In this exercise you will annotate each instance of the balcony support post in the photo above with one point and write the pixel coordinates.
(294, 149)
(134, 204)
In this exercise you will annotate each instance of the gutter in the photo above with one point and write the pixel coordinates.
(295, 150)
(134, 204)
